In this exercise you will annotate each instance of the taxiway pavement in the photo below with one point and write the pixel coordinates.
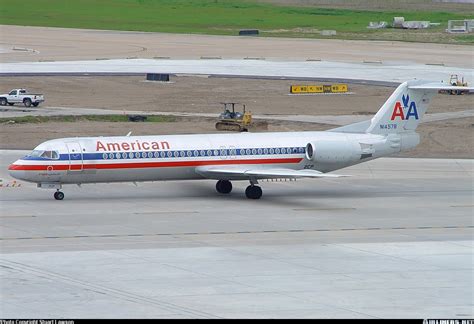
(370, 73)
(393, 240)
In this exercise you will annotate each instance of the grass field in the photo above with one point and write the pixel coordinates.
(222, 17)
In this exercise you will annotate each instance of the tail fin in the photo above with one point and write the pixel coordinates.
(406, 106)
(403, 110)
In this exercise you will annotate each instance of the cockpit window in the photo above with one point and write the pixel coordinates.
(46, 154)
(51, 155)
(35, 153)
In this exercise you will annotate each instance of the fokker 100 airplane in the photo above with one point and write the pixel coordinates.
(227, 157)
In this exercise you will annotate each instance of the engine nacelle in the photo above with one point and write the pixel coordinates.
(333, 152)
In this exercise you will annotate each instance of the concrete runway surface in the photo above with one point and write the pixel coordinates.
(393, 240)
(26, 43)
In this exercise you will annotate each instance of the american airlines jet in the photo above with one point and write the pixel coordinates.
(229, 157)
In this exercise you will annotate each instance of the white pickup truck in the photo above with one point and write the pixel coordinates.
(21, 96)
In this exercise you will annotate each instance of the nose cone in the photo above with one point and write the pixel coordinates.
(16, 171)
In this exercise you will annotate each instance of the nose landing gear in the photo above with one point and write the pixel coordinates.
(59, 195)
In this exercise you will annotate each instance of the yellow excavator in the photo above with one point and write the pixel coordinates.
(230, 120)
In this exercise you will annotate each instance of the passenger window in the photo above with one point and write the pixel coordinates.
(22, 91)
(12, 93)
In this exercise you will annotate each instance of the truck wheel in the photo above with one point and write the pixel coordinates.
(27, 102)
(35, 104)
(3, 101)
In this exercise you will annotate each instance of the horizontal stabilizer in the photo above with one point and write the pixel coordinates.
(438, 86)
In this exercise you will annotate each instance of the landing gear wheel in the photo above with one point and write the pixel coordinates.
(59, 195)
(224, 186)
(253, 192)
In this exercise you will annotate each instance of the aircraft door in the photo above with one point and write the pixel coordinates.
(223, 152)
(76, 159)
(232, 152)
(227, 153)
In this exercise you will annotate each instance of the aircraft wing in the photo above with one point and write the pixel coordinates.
(246, 172)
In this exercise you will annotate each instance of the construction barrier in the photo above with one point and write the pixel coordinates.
(326, 88)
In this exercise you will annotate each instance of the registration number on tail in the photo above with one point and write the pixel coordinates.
(388, 126)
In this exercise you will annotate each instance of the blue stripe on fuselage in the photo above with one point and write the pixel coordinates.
(173, 154)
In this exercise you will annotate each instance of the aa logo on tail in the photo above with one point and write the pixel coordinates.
(399, 110)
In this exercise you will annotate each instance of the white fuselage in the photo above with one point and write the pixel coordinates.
(176, 157)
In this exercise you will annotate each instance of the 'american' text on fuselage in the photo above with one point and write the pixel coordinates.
(136, 145)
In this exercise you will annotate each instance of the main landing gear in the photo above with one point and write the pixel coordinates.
(59, 195)
(252, 192)
(224, 186)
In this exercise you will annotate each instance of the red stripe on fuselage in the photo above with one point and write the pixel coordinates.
(134, 165)
(37, 167)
